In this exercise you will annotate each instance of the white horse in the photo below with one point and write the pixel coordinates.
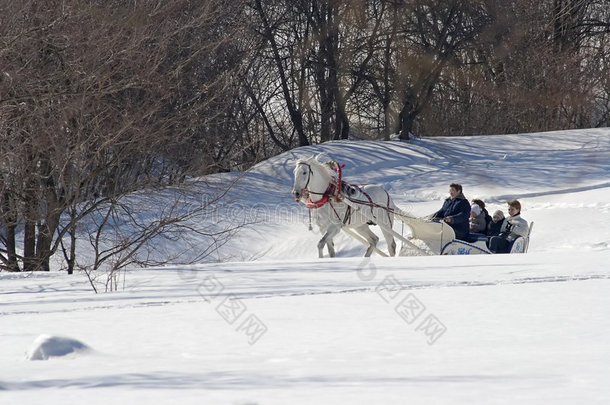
(316, 184)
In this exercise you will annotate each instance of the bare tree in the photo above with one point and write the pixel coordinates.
(100, 99)
(434, 33)
(280, 46)
(134, 231)
(514, 78)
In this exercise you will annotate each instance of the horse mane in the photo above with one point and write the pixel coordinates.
(325, 168)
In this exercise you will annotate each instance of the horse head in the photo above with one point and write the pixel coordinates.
(310, 177)
(302, 176)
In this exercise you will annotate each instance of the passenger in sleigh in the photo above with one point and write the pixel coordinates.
(455, 211)
(477, 220)
(496, 224)
(484, 214)
(512, 227)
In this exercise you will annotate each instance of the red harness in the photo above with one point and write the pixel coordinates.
(317, 204)
(333, 190)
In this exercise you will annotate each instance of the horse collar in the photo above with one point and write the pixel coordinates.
(317, 204)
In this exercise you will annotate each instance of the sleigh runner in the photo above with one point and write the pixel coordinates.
(339, 205)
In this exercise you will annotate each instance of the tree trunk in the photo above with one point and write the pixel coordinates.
(342, 124)
(9, 222)
(326, 104)
(11, 251)
(45, 239)
(387, 120)
(29, 245)
(70, 259)
(406, 119)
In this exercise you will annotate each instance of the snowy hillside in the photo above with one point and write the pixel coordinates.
(269, 323)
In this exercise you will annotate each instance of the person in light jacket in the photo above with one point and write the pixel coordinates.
(513, 227)
(455, 211)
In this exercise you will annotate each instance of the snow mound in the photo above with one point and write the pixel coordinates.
(45, 347)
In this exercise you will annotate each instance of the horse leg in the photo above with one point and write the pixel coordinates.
(390, 240)
(385, 222)
(370, 237)
(331, 232)
(331, 247)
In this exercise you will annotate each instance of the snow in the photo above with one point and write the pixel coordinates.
(269, 323)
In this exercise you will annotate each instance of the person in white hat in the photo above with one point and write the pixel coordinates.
(477, 219)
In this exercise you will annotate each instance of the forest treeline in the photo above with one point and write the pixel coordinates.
(99, 99)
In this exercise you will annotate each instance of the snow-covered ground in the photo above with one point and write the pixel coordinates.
(269, 323)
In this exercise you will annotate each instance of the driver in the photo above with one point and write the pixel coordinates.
(455, 211)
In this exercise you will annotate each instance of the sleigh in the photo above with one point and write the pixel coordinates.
(431, 237)
(438, 238)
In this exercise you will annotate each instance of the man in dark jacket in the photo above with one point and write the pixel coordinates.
(455, 211)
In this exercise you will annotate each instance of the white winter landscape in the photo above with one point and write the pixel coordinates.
(265, 321)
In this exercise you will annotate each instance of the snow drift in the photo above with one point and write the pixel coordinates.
(46, 347)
